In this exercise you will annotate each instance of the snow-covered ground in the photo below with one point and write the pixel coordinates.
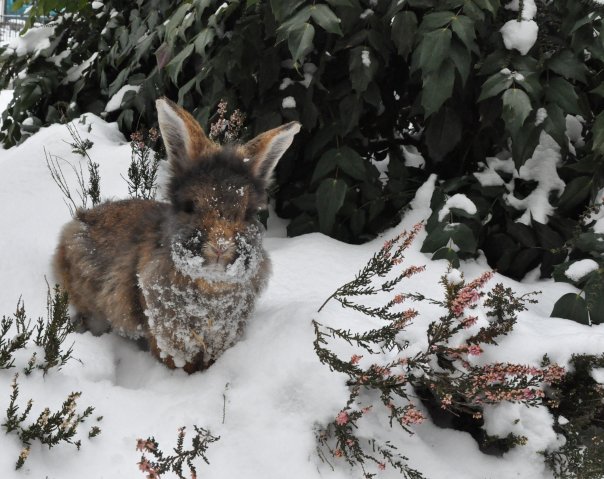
(270, 388)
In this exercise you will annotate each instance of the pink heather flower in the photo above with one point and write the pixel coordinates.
(365, 410)
(355, 359)
(342, 418)
(338, 453)
(412, 416)
(474, 350)
(399, 298)
(381, 466)
(349, 442)
(446, 401)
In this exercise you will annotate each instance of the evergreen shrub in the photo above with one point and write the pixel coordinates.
(387, 91)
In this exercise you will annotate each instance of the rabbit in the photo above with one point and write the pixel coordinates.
(182, 275)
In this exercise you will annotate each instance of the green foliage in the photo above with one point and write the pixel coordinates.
(581, 455)
(367, 79)
(144, 163)
(161, 463)
(17, 333)
(50, 428)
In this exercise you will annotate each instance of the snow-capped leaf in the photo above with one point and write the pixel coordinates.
(571, 306)
(330, 198)
(516, 108)
(363, 67)
(328, 20)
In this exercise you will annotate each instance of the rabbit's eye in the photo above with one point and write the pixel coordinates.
(188, 206)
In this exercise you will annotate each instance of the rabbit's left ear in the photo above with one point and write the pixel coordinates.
(266, 149)
(184, 139)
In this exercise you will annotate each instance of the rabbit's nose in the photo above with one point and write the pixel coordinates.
(220, 248)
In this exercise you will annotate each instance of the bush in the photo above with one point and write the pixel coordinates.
(385, 375)
(387, 91)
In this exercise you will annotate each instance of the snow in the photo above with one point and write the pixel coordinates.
(579, 269)
(115, 101)
(460, 202)
(33, 41)
(542, 168)
(288, 102)
(520, 35)
(489, 175)
(413, 157)
(270, 386)
(96, 5)
(365, 58)
(76, 71)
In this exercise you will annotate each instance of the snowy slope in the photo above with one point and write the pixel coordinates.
(270, 387)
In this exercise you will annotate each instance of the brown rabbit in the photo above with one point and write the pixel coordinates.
(183, 275)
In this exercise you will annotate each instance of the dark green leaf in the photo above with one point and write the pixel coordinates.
(564, 63)
(300, 41)
(330, 198)
(326, 164)
(494, 85)
(351, 163)
(516, 108)
(438, 88)
(434, 49)
(571, 306)
(324, 17)
(575, 193)
(448, 254)
(562, 93)
(598, 134)
(463, 27)
(432, 21)
(283, 8)
(595, 298)
(463, 237)
(175, 66)
(404, 26)
(443, 133)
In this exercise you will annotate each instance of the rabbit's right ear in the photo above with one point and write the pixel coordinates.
(184, 139)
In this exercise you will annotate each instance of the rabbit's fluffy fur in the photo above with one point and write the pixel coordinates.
(183, 275)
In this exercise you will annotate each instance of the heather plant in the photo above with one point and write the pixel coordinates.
(50, 428)
(577, 403)
(17, 333)
(162, 463)
(442, 373)
(144, 163)
(86, 188)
